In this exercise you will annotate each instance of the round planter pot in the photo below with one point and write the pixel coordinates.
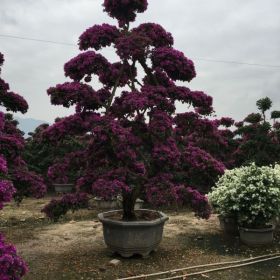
(256, 237)
(63, 188)
(132, 237)
(229, 225)
(100, 203)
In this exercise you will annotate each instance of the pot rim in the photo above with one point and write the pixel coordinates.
(271, 228)
(63, 184)
(96, 198)
(103, 219)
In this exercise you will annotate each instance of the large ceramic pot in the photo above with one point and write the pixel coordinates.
(100, 203)
(229, 224)
(255, 237)
(63, 188)
(132, 237)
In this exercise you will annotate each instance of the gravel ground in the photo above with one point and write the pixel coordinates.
(73, 248)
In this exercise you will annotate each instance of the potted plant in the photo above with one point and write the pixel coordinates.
(137, 144)
(63, 177)
(223, 203)
(252, 194)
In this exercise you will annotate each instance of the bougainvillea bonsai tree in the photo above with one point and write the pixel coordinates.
(15, 179)
(137, 143)
(259, 136)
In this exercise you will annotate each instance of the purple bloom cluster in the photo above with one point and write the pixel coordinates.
(108, 189)
(227, 122)
(3, 85)
(239, 124)
(156, 33)
(7, 192)
(133, 46)
(200, 162)
(161, 77)
(86, 64)
(11, 145)
(98, 36)
(13, 102)
(11, 265)
(59, 207)
(158, 97)
(118, 71)
(125, 10)
(160, 190)
(129, 102)
(28, 183)
(77, 124)
(174, 63)
(161, 124)
(197, 99)
(166, 154)
(199, 203)
(85, 96)
(3, 165)
(58, 171)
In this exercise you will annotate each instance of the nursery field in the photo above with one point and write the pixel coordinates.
(74, 249)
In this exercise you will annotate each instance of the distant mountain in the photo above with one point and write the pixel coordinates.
(28, 124)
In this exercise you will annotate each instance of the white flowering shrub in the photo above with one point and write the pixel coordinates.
(250, 193)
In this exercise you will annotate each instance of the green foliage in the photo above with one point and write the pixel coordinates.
(41, 154)
(253, 118)
(259, 141)
(264, 104)
(250, 193)
(275, 115)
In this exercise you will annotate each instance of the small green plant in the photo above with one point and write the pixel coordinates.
(249, 193)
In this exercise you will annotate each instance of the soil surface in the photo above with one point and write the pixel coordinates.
(139, 216)
(74, 248)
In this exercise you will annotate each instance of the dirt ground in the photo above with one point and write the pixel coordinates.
(74, 248)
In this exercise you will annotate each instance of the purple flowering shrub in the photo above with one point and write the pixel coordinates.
(59, 207)
(11, 265)
(136, 142)
(13, 167)
(16, 181)
(7, 192)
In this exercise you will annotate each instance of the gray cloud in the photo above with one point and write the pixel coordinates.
(233, 30)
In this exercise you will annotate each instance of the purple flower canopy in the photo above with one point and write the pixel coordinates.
(134, 134)
(11, 265)
(125, 10)
(16, 181)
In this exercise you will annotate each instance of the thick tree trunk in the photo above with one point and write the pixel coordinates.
(129, 200)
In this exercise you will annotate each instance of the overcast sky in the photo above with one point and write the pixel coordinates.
(232, 30)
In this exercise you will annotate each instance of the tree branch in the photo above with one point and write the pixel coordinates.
(148, 72)
(114, 90)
